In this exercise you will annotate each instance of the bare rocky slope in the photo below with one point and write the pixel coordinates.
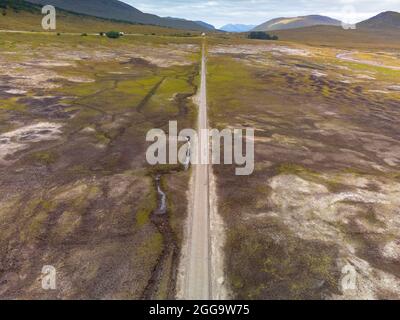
(296, 22)
(384, 20)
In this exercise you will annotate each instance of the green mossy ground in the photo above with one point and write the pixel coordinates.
(87, 199)
(306, 126)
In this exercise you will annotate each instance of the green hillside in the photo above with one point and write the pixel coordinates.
(384, 20)
(20, 15)
(114, 9)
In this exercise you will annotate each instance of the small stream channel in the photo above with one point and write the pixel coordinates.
(162, 198)
(170, 250)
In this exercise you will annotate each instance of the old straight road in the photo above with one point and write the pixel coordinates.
(198, 277)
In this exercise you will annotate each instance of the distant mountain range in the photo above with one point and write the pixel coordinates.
(384, 20)
(296, 22)
(206, 25)
(237, 27)
(120, 11)
(117, 10)
(200, 23)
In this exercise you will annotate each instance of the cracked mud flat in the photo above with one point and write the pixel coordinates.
(254, 49)
(325, 191)
(75, 190)
(322, 212)
(349, 56)
(17, 140)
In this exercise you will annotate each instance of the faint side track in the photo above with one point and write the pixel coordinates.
(151, 93)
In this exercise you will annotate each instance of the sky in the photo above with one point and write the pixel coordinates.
(221, 12)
